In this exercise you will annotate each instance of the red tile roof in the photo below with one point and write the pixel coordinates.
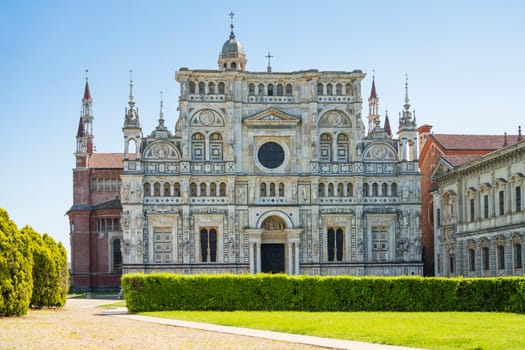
(106, 160)
(456, 161)
(474, 142)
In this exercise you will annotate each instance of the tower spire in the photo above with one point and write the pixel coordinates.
(87, 118)
(232, 34)
(373, 106)
(161, 113)
(407, 101)
(132, 114)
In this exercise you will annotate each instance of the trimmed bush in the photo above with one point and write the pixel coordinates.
(16, 264)
(164, 291)
(50, 272)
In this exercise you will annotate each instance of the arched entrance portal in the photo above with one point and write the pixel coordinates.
(272, 248)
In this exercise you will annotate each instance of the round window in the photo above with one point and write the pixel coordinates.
(271, 155)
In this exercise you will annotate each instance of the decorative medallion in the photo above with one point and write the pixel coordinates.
(206, 118)
(335, 119)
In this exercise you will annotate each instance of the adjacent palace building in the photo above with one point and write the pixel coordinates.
(263, 172)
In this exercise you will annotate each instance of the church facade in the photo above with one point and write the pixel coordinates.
(270, 172)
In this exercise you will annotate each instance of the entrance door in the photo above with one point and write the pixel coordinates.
(272, 258)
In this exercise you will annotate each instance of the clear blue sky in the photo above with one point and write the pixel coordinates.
(465, 62)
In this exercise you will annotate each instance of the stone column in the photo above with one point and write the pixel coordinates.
(258, 251)
(290, 258)
(296, 258)
(252, 258)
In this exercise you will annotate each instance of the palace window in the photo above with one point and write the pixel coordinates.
(176, 189)
(394, 189)
(471, 258)
(281, 189)
(379, 243)
(452, 263)
(279, 89)
(288, 90)
(211, 88)
(147, 189)
(348, 89)
(339, 89)
(485, 255)
(340, 190)
(260, 89)
(192, 87)
(329, 89)
(270, 89)
(251, 89)
(197, 146)
(517, 252)
(193, 189)
(321, 190)
(375, 189)
(162, 244)
(116, 256)
(320, 89)
(518, 198)
(501, 256)
(335, 244)
(326, 148)
(472, 207)
(262, 189)
(330, 190)
(366, 190)
(201, 88)
(221, 88)
(342, 148)
(215, 146)
(202, 189)
(167, 189)
(350, 189)
(156, 189)
(222, 189)
(486, 206)
(208, 245)
(501, 202)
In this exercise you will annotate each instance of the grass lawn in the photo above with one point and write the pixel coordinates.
(432, 330)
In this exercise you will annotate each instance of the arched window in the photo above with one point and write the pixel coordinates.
(320, 89)
(176, 189)
(221, 88)
(321, 190)
(193, 189)
(197, 146)
(211, 88)
(156, 189)
(366, 192)
(348, 88)
(375, 189)
(213, 189)
(485, 259)
(340, 190)
(260, 90)
(208, 245)
(339, 89)
(330, 190)
(384, 189)
(329, 89)
(117, 256)
(202, 188)
(288, 89)
(262, 188)
(270, 89)
(167, 189)
(272, 189)
(326, 148)
(342, 148)
(279, 89)
(147, 189)
(222, 189)
(350, 190)
(233, 65)
(394, 189)
(517, 252)
(201, 88)
(192, 87)
(216, 146)
(335, 244)
(281, 189)
(251, 89)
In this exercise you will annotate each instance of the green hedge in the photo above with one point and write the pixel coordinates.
(164, 291)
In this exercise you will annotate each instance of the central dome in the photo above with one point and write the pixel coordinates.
(232, 56)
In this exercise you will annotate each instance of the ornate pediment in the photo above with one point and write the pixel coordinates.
(206, 118)
(379, 152)
(161, 150)
(442, 168)
(272, 116)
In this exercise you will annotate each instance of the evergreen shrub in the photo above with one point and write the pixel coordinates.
(262, 292)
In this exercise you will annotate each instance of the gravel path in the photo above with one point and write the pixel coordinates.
(81, 325)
